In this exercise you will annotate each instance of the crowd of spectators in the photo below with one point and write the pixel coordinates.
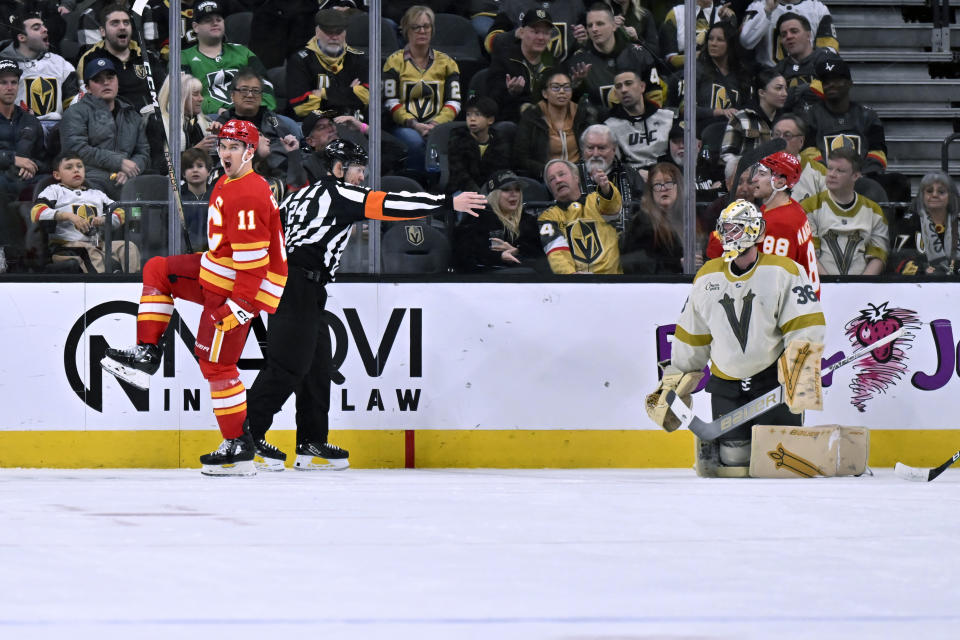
(571, 112)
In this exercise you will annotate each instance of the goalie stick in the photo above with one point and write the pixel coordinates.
(708, 431)
(138, 8)
(918, 474)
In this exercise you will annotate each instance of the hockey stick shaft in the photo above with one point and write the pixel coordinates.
(712, 430)
(138, 8)
(924, 474)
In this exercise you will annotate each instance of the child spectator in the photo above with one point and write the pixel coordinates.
(78, 212)
(476, 151)
(195, 194)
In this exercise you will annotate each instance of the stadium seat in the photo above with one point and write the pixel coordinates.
(455, 36)
(400, 183)
(870, 188)
(70, 47)
(358, 35)
(534, 190)
(414, 248)
(478, 83)
(278, 78)
(506, 128)
(439, 138)
(149, 193)
(238, 27)
(712, 137)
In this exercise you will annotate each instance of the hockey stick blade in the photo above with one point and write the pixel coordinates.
(917, 474)
(708, 431)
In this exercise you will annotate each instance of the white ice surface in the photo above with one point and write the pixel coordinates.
(499, 554)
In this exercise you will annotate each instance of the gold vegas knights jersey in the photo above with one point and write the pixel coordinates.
(423, 94)
(579, 237)
(741, 324)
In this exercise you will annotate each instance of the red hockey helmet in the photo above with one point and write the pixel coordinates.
(240, 130)
(784, 164)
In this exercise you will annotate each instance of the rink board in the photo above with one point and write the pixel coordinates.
(456, 374)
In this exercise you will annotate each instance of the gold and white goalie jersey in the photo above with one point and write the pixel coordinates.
(741, 324)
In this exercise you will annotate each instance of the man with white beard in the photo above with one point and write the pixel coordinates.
(598, 152)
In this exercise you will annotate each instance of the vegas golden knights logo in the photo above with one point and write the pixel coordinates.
(41, 95)
(86, 211)
(608, 95)
(841, 141)
(422, 98)
(414, 234)
(583, 237)
(723, 98)
(558, 43)
(740, 325)
(140, 70)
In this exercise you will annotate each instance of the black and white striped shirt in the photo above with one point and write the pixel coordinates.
(318, 217)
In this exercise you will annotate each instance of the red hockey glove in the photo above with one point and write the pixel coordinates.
(231, 315)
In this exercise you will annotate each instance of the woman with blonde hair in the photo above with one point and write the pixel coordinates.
(195, 131)
(652, 242)
(926, 241)
(421, 86)
(502, 236)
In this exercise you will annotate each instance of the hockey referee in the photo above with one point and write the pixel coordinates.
(317, 224)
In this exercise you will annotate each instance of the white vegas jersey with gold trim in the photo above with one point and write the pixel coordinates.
(741, 324)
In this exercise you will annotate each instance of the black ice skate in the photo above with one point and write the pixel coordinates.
(134, 365)
(267, 457)
(234, 457)
(312, 456)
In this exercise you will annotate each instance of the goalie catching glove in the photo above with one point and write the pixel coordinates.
(231, 315)
(799, 372)
(683, 384)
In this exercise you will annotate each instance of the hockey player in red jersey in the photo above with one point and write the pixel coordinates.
(787, 229)
(242, 273)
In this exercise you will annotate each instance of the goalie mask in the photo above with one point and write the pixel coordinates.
(740, 226)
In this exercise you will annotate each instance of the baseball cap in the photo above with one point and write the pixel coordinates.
(832, 67)
(316, 116)
(530, 18)
(331, 20)
(207, 8)
(9, 66)
(500, 179)
(95, 66)
(676, 132)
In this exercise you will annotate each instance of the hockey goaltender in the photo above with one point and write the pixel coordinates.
(757, 321)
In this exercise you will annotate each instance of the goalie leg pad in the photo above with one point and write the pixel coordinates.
(799, 372)
(683, 384)
(706, 457)
(707, 463)
(735, 453)
(809, 452)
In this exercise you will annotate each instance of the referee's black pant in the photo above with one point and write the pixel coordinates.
(727, 395)
(298, 361)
